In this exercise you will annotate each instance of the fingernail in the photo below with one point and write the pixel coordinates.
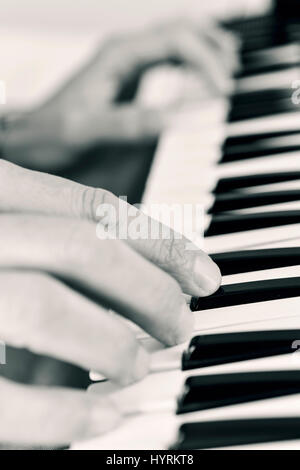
(185, 325)
(207, 275)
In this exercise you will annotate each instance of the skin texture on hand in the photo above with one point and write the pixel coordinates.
(84, 111)
(68, 279)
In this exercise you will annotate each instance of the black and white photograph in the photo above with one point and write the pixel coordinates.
(149, 228)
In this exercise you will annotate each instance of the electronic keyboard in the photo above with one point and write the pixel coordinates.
(236, 383)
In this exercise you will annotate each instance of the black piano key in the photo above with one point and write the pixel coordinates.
(248, 292)
(222, 224)
(210, 434)
(235, 262)
(239, 182)
(210, 350)
(235, 201)
(212, 391)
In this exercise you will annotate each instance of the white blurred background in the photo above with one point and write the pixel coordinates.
(42, 42)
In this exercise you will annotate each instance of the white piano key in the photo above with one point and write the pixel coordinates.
(277, 445)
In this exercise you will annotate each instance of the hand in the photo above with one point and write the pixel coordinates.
(84, 112)
(57, 283)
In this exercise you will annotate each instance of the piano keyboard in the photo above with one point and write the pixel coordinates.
(236, 383)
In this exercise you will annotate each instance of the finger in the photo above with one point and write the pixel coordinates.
(52, 417)
(179, 40)
(61, 323)
(108, 271)
(193, 269)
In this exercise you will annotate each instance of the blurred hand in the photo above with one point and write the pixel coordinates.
(84, 111)
(58, 281)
